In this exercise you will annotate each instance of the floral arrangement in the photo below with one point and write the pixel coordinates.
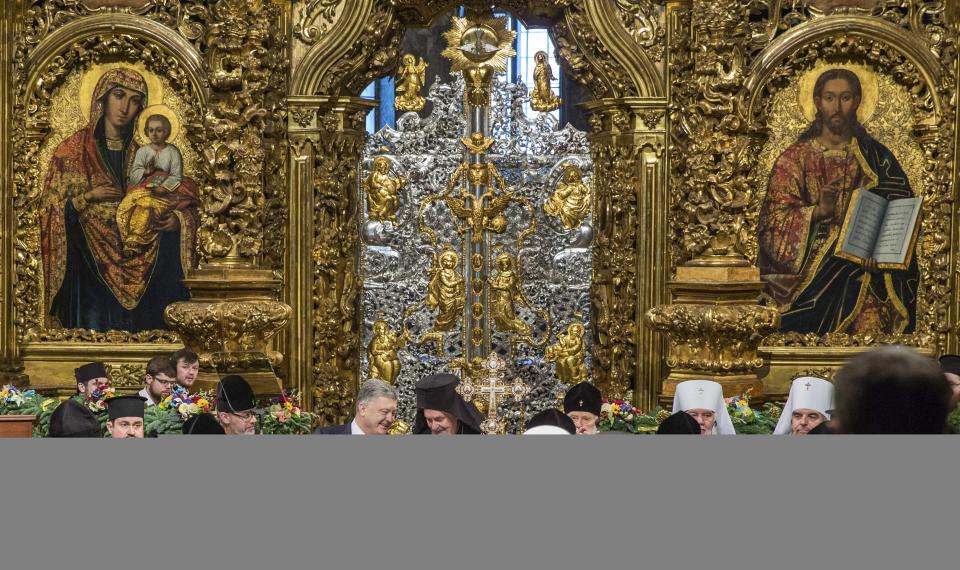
(187, 404)
(285, 416)
(168, 416)
(96, 400)
(620, 415)
(13, 401)
(953, 420)
(750, 421)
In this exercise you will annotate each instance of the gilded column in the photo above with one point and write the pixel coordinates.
(336, 146)
(234, 312)
(713, 320)
(628, 144)
(11, 370)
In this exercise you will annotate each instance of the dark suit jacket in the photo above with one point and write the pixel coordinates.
(335, 430)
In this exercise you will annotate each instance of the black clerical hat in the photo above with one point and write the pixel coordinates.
(73, 419)
(821, 429)
(680, 423)
(89, 371)
(950, 363)
(553, 417)
(583, 397)
(202, 424)
(234, 394)
(126, 406)
(439, 392)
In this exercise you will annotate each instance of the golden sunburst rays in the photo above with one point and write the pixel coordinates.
(482, 41)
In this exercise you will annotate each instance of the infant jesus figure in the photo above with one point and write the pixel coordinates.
(153, 185)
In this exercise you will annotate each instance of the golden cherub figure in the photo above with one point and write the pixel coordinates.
(485, 212)
(410, 80)
(446, 291)
(382, 351)
(383, 191)
(477, 143)
(569, 353)
(506, 291)
(543, 98)
(571, 200)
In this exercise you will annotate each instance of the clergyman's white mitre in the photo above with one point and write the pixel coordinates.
(806, 392)
(707, 395)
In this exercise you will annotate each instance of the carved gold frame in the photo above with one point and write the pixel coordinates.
(50, 45)
(614, 48)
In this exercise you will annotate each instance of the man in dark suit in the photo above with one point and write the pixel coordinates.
(376, 411)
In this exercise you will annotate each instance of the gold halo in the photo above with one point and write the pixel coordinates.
(160, 109)
(93, 75)
(868, 85)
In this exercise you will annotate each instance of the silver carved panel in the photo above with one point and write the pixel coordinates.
(555, 264)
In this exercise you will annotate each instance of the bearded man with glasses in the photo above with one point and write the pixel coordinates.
(159, 380)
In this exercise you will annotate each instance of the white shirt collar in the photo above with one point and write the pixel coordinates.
(146, 395)
(355, 428)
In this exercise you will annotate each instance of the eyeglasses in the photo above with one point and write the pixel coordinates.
(244, 415)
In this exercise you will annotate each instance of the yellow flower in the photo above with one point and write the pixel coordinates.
(203, 402)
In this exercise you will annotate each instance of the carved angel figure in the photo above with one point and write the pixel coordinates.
(571, 200)
(446, 291)
(383, 191)
(410, 80)
(543, 98)
(505, 293)
(382, 351)
(569, 353)
(484, 213)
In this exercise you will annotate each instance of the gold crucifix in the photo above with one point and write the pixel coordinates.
(493, 386)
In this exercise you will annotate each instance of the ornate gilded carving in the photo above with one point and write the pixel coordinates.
(445, 292)
(228, 326)
(245, 52)
(126, 375)
(711, 170)
(382, 351)
(714, 338)
(615, 267)
(188, 17)
(643, 20)
(383, 191)
(506, 292)
(373, 51)
(486, 212)
(411, 78)
(825, 373)
(542, 98)
(571, 200)
(336, 337)
(569, 354)
(314, 18)
(479, 47)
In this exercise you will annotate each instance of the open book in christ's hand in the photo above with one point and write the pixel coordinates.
(885, 230)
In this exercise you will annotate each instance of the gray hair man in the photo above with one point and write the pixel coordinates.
(376, 411)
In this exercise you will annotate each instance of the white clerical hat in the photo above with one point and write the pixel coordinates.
(546, 430)
(807, 392)
(707, 395)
